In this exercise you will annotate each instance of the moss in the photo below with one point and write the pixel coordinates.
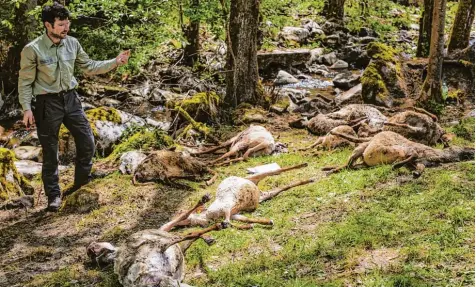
(104, 114)
(12, 183)
(81, 201)
(201, 105)
(467, 64)
(455, 95)
(144, 139)
(200, 127)
(380, 51)
(373, 86)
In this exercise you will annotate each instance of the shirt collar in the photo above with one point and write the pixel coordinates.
(48, 43)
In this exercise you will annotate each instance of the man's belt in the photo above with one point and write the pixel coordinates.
(61, 94)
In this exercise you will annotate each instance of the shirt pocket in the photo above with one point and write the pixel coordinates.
(47, 67)
(68, 61)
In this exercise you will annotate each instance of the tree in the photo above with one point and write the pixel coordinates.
(191, 32)
(334, 9)
(462, 25)
(431, 93)
(242, 65)
(424, 37)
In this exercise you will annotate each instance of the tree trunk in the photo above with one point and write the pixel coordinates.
(242, 64)
(424, 38)
(431, 93)
(462, 26)
(192, 35)
(23, 31)
(334, 9)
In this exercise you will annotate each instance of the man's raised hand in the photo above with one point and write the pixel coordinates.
(123, 57)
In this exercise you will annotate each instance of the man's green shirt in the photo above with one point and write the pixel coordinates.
(48, 68)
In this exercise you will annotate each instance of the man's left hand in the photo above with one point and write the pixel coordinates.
(123, 58)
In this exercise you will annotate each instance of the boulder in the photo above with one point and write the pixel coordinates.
(278, 59)
(12, 183)
(295, 34)
(328, 59)
(340, 65)
(346, 80)
(29, 153)
(383, 82)
(284, 78)
(352, 96)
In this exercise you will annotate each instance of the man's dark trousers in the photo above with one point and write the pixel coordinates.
(50, 112)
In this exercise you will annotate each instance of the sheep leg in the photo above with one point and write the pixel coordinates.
(409, 159)
(171, 224)
(423, 111)
(356, 121)
(258, 177)
(319, 141)
(214, 177)
(226, 155)
(357, 153)
(350, 138)
(406, 126)
(254, 149)
(212, 149)
(194, 235)
(274, 192)
(242, 218)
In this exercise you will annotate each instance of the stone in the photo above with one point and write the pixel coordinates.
(108, 102)
(340, 65)
(346, 81)
(366, 40)
(29, 153)
(282, 59)
(284, 78)
(315, 54)
(328, 59)
(352, 96)
(296, 34)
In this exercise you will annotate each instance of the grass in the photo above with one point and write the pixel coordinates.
(368, 227)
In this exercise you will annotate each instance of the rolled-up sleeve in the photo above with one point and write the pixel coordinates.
(91, 67)
(26, 77)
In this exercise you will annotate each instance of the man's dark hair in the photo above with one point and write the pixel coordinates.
(51, 12)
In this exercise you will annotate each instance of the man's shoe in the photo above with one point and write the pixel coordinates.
(54, 204)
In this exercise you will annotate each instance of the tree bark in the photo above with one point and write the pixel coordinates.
(424, 38)
(334, 9)
(462, 26)
(431, 91)
(242, 64)
(192, 35)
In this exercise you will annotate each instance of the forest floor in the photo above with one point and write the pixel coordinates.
(368, 227)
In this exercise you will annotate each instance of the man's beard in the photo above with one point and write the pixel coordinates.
(59, 36)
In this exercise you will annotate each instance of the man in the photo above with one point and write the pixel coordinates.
(46, 74)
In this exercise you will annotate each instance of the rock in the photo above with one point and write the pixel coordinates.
(83, 200)
(355, 55)
(330, 28)
(142, 91)
(340, 65)
(135, 100)
(29, 168)
(414, 26)
(367, 32)
(278, 109)
(294, 94)
(87, 106)
(28, 153)
(26, 201)
(346, 81)
(352, 96)
(333, 39)
(130, 160)
(366, 40)
(328, 59)
(251, 117)
(12, 183)
(315, 54)
(160, 97)
(309, 24)
(469, 114)
(295, 34)
(163, 125)
(383, 81)
(269, 62)
(284, 78)
(108, 102)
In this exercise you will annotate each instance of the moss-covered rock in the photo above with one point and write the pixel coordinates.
(246, 113)
(12, 183)
(202, 107)
(383, 81)
(144, 139)
(81, 201)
